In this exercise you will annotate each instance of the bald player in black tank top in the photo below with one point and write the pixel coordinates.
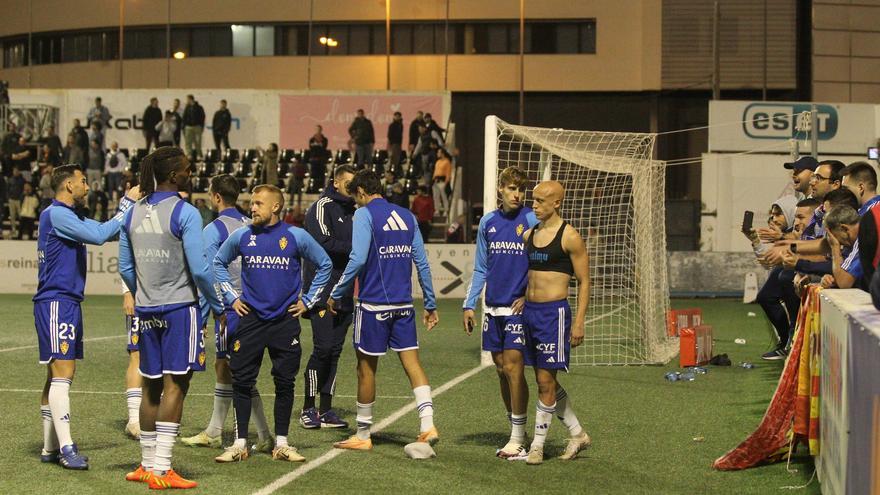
(556, 252)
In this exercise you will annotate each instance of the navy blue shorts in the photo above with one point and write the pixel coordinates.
(377, 331)
(548, 329)
(501, 333)
(131, 324)
(171, 342)
(59, 330)
(222, 336)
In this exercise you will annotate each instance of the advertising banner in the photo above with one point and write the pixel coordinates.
(834, 414)
(451, 269)
(846, 128)
(863, 456)
(335, 113)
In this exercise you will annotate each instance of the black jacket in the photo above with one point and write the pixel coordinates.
(414, 131)
(395, 132)
(329, 221)
(152, 116)
(194, 115)
(222, 121)
(361, 130)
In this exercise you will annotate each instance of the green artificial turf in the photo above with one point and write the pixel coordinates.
(643, 427)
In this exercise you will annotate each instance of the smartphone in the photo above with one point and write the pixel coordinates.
(748, 218)
(793, 248)
(873, 153)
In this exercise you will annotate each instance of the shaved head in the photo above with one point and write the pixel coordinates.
(551, 190)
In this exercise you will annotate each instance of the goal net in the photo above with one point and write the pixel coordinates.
(615, 199)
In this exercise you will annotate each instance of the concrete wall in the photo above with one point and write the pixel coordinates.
(694, 273)
(627, 59)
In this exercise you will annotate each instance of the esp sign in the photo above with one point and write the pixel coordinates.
(778, 121)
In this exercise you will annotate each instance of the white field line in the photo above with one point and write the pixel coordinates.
(121, 393)
(93, 339)
(333, 453)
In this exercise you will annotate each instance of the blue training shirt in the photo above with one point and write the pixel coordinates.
(185, 224)
(501, 263)
(385, 243)
(61, 249)
(215, 234)
(270, 268)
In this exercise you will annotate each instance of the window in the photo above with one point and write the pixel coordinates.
(264, 41)
(242, 41)
(294, 39)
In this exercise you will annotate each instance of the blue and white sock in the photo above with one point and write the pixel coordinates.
(518, 427)
(542, 423)
(59, 402)
(425, 406)
(566, 413)
(133, 402)
(166, 434)
(50, 440)
(148, 449)
(222, 401)
(364, 420)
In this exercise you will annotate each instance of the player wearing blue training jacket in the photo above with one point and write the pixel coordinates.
(502, 266)
(162, 260)
(224, 192)
(269, 304)
(385, 244)
(556, 252)
(61, 252)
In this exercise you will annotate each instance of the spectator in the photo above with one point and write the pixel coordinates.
(96, 134)
(455, 232)
(398, 196)
(414, 130)
(780, 220)
(53, 146)
(98, 203)
(423, 208)
(361, 131)
(295, 216)
(433, 128)
(4, 199)
(29, 205)
(221, 125)
(96, 159)
(177, 116)
(15, 191)
(388, 181)
(425, 154)
(193, 126)
(318, 156)
(442, 176)
(861, 179)
(296, 182)
(152, 118)
(269, 165)
(206, 212)
(842, 231)
(21, 158)
(80, 135)
(101, 115)
(166, 130)
(47, 192)
(395, 141)
(7, 147)
(72, 153)
(115, 163)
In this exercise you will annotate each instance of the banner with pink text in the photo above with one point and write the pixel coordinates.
(335, 113)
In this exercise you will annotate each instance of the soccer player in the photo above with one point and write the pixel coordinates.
(556, 251)
(328, 220)
(162, 260)
(133, 380)
(61, 252)
(224, 195)
(269, 305)
(502, 266)
(385, 244)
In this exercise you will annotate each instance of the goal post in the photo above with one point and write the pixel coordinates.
(615, 194)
